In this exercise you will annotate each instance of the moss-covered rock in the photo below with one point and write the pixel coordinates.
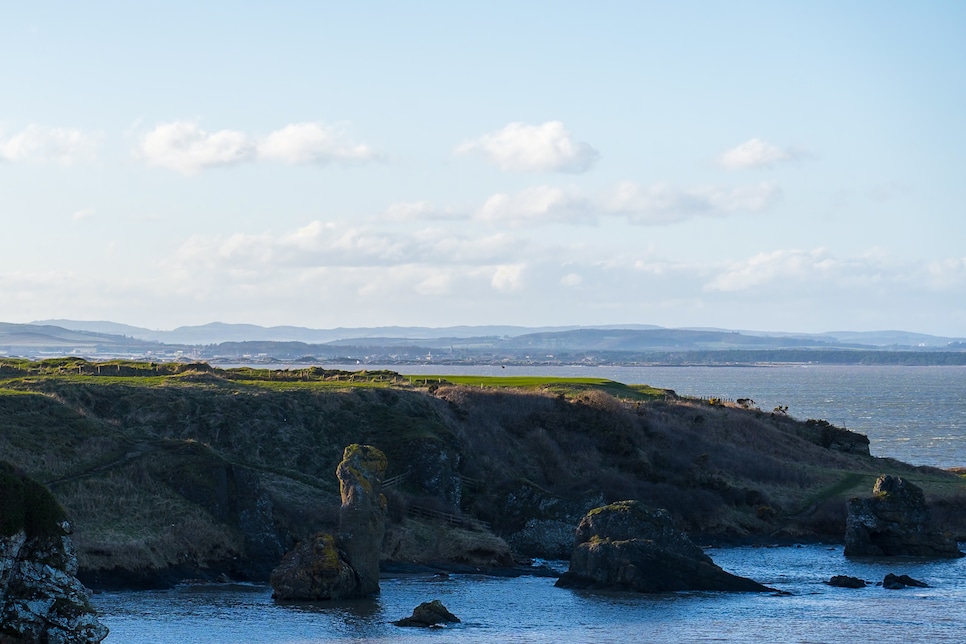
(629, 546)
(41, 599)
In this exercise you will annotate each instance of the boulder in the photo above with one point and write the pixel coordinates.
(41, 599)
(894, 522)
(844, 581)
(428, 614)
(893, 581)
(344, 565)
(315, 570)
(629, 546)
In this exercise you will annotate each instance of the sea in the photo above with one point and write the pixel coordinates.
(913, 414)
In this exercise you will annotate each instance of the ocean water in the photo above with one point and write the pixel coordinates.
(531, 609)
(916, 414)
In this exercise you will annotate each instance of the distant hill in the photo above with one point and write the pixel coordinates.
(217, 332)
(613, 344)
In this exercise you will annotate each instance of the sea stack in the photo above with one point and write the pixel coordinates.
(629, 546)
(344, 565)
(894, 522)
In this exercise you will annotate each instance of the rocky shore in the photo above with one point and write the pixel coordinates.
(214, 475)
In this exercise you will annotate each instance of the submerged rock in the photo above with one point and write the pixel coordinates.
(894, 522)
(345, 565)
(629, 546)
(428, 614)
(41, 599)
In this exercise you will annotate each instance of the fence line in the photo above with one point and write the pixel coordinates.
(451, 519)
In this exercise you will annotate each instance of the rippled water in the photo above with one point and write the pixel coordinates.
(531, 609)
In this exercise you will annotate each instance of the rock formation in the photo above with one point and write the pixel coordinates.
(362, 517)
(893, 581)
(894, 522)
(345, 565)
(41, 599)
(629, 546)
(428, 614)
(845, 581)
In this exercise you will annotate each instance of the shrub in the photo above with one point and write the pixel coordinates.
(27, 505)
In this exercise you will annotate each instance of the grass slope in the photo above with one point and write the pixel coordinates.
(155, 463)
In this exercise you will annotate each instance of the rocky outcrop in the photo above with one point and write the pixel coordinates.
(362, 517)
(894, 522)
(41, 599)
(629, 546)
(345, 565)
(844, 581)
(893, 581)
(428, 614)
(435, 543)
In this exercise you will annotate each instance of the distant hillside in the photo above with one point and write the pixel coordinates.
(635, 344)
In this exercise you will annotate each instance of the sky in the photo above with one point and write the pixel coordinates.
(771, 166)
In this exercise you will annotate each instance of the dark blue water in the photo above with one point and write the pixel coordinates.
(915, 414)
(531, 609)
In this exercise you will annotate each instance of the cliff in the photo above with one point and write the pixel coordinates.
(193, 472)
(41, 599)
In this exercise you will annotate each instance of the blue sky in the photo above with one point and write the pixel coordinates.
(751, 165)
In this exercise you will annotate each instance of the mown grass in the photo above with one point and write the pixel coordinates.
(552, 384)
(139, 374)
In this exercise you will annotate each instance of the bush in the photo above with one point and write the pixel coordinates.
(27, 505)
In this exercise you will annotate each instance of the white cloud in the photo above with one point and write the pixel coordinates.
(83, 213)
(946, 274)
(571, 280)
(755, 153)
(312, 143)
(438, 283)
(508, 277)
(646, 205)
(420, 211)
(660, 203)
(319, 244)
(519, 147)
(184, 147)
(540, 204)
(49, 144)
(794, 269)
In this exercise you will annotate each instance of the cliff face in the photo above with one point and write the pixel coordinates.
(221, 473)
(41, 599)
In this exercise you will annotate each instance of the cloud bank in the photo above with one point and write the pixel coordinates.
(646, 205)
(183, 146)
(36, 143)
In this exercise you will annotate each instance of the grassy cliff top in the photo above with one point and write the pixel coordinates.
(146, 458)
